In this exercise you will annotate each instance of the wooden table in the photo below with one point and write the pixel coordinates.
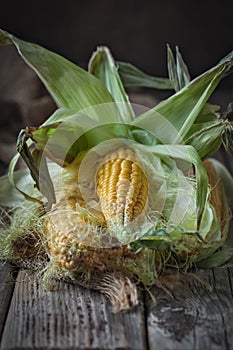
(198, 315)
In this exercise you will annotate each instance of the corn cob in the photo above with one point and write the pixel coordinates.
(69, 227)
(122, 187)
(66, 231)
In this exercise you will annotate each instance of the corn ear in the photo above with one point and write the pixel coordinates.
(122, 187)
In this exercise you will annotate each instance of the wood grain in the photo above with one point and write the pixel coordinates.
(199, 315)
(69, 318)
(6, 289)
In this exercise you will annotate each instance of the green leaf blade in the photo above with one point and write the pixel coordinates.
(217, 259)
(183, 108)
(134, 77)
(182, 70)
(102, 66)
(172, 69)
(207, 138)
(70, 86)
(189, 154)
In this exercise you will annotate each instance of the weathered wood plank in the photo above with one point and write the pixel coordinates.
(198, 316)
(6, 290)
(69, 318)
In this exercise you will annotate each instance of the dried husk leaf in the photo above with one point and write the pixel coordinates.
(218, 198)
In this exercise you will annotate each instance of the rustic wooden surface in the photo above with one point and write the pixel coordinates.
(7, 277)
(69, 318)
(197, 314)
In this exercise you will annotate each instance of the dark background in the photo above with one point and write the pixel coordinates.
(136, 31)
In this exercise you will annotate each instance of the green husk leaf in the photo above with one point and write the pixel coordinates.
(59, 115)
(228, 114)
(14, 183)
(23, 150)
(71, 86)
(172, 70)
(23, 188)
(105, 113)
(177, 70)
(159, 127)
(60, 141)
(102, 66)
(38, 169)
(64, 142)
(189, 154)
(182, 70)
(13, 196)
(45, 181)
(227, 138)
(133, 77)
(226, 58)
(157, 240)
(182, 109)
(199, 91)
(206, 133)
(216, 259)
(143, 136)
(209, 113)
(208, 137)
